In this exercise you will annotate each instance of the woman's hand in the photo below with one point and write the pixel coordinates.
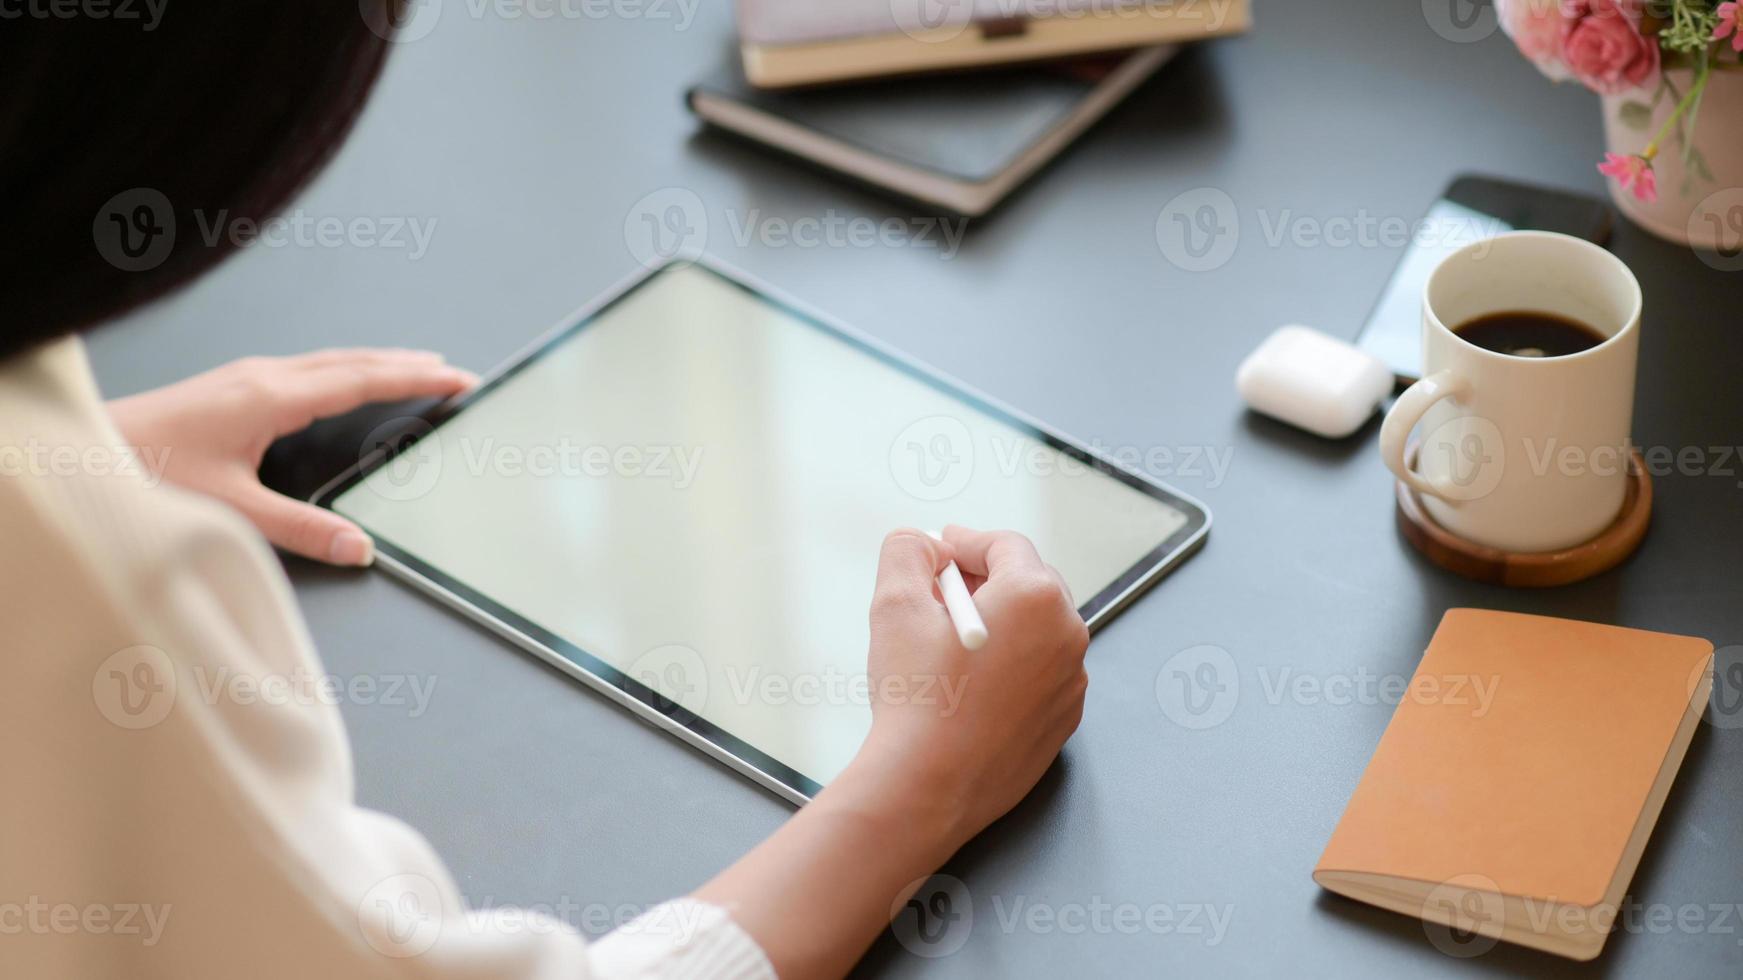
(211, 431)
(972, 731)
(957, 738)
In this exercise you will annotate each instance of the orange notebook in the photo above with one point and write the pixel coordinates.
(1515, 788)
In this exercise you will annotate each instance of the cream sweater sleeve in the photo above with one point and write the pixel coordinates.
(154, 822)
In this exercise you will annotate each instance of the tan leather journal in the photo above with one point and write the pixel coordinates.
(1515, 788)
(785, 43)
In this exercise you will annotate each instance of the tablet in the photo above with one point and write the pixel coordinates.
(678, 496)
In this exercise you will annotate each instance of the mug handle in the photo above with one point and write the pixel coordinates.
(1406, 412)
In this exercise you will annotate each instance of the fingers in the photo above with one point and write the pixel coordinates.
(908, 566)
(344, 355)
(993, 554)
(1064, 586)
(305, 529)
(329, 387)
(1006, 565)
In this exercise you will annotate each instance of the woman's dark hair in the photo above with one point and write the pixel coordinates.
(129, 126)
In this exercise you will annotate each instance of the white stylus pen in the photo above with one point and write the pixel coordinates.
(970, 628)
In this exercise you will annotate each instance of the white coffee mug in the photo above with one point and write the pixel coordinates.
(1524, 454)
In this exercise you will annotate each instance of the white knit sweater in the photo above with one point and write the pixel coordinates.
(155, 825)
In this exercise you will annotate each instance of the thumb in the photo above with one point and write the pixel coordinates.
(304, 529)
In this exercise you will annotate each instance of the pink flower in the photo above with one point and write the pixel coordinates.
(1536, 27)
(1728, 15)
(1632, 171)
(1603, 46)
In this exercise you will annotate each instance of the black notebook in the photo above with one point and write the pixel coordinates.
(958, 143)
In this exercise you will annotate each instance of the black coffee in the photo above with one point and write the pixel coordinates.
(1526, 334)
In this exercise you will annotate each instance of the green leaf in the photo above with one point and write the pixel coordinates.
(1636, 115)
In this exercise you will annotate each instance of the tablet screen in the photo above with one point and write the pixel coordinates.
(686, 492)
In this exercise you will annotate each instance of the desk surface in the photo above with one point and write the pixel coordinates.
(528, 147)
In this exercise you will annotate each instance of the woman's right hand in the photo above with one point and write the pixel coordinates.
(957, 738)
(966, 734)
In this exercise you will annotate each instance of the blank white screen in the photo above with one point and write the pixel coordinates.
(693, 488)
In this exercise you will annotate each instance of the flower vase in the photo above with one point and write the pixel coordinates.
(1692, 209)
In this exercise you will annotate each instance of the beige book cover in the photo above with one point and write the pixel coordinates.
(1522, 815)
(786, 43)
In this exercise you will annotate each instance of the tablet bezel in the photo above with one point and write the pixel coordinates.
(765, 770)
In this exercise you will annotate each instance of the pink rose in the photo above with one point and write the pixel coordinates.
(1602, 45)
(1536, 27)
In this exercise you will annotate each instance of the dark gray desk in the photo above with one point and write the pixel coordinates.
(530, 142)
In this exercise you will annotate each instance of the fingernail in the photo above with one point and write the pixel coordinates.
(351, 548)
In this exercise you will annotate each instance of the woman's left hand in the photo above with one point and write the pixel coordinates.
(211, 431)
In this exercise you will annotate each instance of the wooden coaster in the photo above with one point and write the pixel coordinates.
(1530, 569)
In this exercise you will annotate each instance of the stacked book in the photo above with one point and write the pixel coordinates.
(948, 103)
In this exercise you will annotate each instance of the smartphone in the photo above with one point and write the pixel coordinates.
(1470, 209)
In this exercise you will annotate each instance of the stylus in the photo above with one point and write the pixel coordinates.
(970, 628)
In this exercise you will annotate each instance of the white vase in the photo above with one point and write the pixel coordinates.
(1707, 214)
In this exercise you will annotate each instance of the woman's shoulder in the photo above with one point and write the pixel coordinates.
(76, 498)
